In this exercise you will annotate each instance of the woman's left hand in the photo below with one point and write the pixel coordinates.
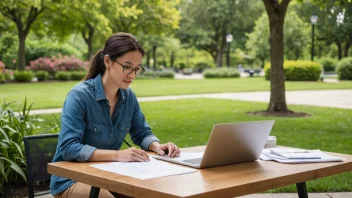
(170, 148)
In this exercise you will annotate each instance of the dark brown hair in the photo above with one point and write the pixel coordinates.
(116, 46)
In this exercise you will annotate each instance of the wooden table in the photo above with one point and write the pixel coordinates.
(226, 181)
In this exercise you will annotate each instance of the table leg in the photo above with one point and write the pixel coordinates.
(94, 192)
(302, 190)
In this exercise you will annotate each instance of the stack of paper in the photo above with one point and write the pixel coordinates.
(289, 155)
(144, 170)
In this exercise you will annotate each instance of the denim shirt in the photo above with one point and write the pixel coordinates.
(86, 125)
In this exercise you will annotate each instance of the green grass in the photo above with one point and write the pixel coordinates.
(53, 94)
(189, 122)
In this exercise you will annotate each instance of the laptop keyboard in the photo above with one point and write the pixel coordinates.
(196, 161)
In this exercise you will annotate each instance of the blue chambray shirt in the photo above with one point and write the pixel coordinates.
(86, 125)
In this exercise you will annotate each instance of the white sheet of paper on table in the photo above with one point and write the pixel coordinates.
(144, 170)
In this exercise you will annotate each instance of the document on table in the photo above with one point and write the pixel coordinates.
(144, 170)
(268, 154)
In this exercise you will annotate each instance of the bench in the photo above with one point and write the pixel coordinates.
(251, 72)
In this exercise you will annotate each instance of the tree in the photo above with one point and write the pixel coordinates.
(296, 37)
(277, 11)
(205, 24)
(23, 14)
(258, 40)
(330, 30)
(154, 17)
(153, 20)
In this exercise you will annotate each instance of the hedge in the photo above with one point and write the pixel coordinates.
(298, 70)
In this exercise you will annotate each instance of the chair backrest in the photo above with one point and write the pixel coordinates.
(40, 150)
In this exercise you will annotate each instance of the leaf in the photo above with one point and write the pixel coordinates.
(9, 128)
(18, 148)
(15, 167)
(4, 134)
(2, 169)
(4, 145)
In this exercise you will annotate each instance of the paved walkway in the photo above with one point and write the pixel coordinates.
(324, 98)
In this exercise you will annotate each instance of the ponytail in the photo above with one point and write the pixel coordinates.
(97, 67)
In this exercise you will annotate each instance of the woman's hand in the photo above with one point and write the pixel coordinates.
(132, 155)
(170, 148)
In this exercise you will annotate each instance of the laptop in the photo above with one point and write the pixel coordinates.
(228, 144)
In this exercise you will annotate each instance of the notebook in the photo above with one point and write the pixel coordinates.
(228, 144)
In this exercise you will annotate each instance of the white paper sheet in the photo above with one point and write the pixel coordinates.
(268, 155)
(144, 170)
(182, 157)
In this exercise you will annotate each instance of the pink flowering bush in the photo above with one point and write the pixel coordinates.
(66, 63)
(43, 64)
(60, 63)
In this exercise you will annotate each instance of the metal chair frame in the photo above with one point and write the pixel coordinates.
(30, 163)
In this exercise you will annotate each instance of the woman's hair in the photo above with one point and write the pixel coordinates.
(116, 46)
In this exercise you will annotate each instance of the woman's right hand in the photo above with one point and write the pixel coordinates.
(132, 155)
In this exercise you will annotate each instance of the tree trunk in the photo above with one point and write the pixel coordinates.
(172, 59)
(148, 59)
(347, 47)
(154, 58)
(276, 13)
(262, 63)
(90, 49)
(218, 58)
(339, 47)
(89, 40)
(21, 50)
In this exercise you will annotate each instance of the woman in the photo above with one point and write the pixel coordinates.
(99, 112)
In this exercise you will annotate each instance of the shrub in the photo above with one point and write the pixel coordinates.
(40, 48)
(42, 75)
(165, 74)
(221, 73)
(187, 71)
(62, 75)
(13, 127)
(61, 63)
(149, 74)
(77, 75)
(298, 71)
(8, 74)
(2, 78)
(201, 66)
(66, 63)
(43, 64)
(329, 64)
(23, 76)
(344, 69)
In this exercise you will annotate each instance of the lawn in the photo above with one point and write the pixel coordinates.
(53, 94)
(189, 122)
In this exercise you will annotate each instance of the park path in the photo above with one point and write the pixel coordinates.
(324, 98)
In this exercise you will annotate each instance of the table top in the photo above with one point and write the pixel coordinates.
(225, 181)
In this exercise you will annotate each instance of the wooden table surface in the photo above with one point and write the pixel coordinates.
(226, 181)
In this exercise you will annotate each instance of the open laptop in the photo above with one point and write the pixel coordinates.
(228, 144)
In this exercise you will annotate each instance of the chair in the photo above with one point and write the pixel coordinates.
(40, 150)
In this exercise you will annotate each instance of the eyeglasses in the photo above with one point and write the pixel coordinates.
(128, 69)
